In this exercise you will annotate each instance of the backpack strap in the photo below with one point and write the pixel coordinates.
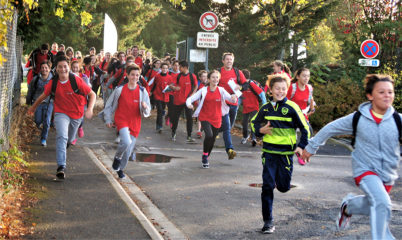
(54, 86)
(355, 121)
(74, 85)
(192, 82)
(237, 75)
(398, 122)
(294, 88)
(252, 89)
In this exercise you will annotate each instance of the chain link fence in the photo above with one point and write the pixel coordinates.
(10, 80)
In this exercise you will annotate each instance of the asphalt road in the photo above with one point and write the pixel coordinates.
(219, 203)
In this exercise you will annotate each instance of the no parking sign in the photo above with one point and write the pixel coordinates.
(369, 49)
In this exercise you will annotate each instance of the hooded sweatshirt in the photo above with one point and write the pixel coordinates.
(377, 145)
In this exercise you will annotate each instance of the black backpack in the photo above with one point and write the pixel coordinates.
(191, 80)
(356, 118)
(247, 86)
(73, 83)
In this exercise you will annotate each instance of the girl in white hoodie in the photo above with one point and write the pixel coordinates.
(210, 110)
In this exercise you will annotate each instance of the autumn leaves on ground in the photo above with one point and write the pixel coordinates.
(17, 195)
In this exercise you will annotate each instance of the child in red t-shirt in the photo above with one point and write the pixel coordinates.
(162, 80)
(68, 108)
(301, 93)
(210, 110)
(128, 103)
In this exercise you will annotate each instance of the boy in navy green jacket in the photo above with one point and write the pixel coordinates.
(277, 122)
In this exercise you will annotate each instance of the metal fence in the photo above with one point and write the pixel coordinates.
(10, 80)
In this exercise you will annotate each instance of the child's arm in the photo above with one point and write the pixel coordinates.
(341, 126)
(193, 98)
(259, 120)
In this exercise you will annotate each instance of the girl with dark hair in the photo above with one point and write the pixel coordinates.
(279, 68)
(301, 92)
(210, 110)
(375, 158)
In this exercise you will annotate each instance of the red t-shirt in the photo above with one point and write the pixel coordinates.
(300, 97)
(54, 52)
(250, 100)
(211, 110)
(376, 119)
(174, 75)
(226, 76)
(161, 81)
(40, 58)
(89, 71)
(138, 61)
(66, 101)
(181, 96)
(128, 110)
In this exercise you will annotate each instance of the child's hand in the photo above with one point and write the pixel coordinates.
(306, 155)
(109, 125)
(190, 106)
(144, 105)
(266, 129)
(299, 151)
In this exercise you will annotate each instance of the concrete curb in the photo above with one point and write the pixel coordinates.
(159, 222)
(148, 226)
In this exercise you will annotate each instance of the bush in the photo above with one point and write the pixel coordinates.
(334, 100)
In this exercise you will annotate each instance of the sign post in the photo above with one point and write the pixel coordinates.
(369, 49)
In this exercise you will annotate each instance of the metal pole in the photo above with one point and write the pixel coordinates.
(206, 62)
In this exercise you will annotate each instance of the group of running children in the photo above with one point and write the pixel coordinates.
(126, 92)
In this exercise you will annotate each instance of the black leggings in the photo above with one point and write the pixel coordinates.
(175, 115)
(160, 107)
(210, 135)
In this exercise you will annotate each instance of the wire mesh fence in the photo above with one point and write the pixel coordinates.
(10, 80)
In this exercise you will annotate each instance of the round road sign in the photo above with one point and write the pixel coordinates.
(370, 48)
(209, 21)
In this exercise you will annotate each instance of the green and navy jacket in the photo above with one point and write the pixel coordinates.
(285, 117)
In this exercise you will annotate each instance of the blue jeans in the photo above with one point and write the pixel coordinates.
(233, 114)
(43, 115)
(126, 146)
(66, 130)
(227, 138)
(277, 172)
(376, 204)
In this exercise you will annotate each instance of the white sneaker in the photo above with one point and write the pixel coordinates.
(244, 140)
(117, 140)
(343, 219)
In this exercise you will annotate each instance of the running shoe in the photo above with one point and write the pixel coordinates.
(343, 219)
(159, 130)
(74, 142)
(43, 142)
(174, 137)
(268, 229)
(190, 139)
(300, 160)
(244, 140)
(60, 174)
(231, 154)
(205, 163)
(199, 134)
(117, 140)
(116, 164)
(121, 174)
(81, 132)
(254, 142)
